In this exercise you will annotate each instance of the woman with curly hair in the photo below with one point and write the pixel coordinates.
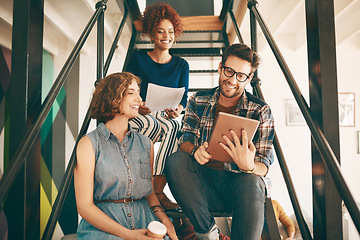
(162, 24)
(113, 174)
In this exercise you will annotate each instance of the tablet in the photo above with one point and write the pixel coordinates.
(224, 123)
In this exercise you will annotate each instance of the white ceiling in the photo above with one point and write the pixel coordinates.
(66, 19)
(286, 21)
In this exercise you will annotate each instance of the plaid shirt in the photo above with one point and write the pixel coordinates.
(198, 122)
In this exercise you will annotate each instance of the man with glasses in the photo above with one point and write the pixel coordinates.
(200, 184)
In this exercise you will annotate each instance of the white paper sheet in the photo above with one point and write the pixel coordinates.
(159, 98)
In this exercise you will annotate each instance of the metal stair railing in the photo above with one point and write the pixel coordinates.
(321, 142)
(26, 144)
(66, 181)
(304, 229)
(255, 83)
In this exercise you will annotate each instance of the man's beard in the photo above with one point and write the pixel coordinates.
(237, 92)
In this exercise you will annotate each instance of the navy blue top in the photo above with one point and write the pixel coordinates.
(172, 74)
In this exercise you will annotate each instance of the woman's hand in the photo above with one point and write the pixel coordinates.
(170, 229)
(139, 234)
(144, 110)
(173, 113)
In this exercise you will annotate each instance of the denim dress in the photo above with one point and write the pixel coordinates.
(122, 170)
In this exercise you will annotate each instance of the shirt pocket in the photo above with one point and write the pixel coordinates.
(145, 168)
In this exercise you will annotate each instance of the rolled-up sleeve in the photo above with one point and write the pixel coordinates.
(264, 141)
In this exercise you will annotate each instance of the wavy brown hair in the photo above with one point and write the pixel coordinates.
(108, 94)
(243, 52)
(157, 12)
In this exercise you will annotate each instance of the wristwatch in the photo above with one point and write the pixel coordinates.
(249, 171)
(194, 150)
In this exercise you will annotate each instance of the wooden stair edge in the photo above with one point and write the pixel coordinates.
(202, 23)
(196, 23)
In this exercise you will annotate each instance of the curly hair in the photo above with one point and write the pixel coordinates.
(157, 12)
(108, 94)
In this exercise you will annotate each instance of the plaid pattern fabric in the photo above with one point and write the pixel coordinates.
(198, 122)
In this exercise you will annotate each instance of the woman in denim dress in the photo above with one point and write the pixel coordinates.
(113, 176)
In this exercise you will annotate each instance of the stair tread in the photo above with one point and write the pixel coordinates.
(204, 71)
(196, 23)
(192, 52)
(185, 41)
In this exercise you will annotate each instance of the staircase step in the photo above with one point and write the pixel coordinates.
(189, 35)
(197, 89)
(204, 71)
(196, 51)
(203, 44)
(202, 31)
(192, 52)
(198, 54)
(187, 41)
(195, 23)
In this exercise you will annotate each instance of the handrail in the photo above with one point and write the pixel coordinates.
(131, 46)
(227, 4)
(100, 42)
(28, 140)
(66, 181)
(255, 83)
(65, 184)
(235, 26)
(116, 40)
(304, 229)
(322, 144)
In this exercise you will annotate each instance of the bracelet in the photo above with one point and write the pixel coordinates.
(156, 206)
(194, 150)
(249, 171)
(158, 210)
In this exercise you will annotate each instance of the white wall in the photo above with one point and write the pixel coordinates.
(295, 140)
(348, 81)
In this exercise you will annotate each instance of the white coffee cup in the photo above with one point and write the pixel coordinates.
(156, 230)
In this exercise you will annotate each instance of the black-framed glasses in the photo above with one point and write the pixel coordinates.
(229, 72)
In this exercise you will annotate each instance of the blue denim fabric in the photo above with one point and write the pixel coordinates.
(122, 170)
(199, 190)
